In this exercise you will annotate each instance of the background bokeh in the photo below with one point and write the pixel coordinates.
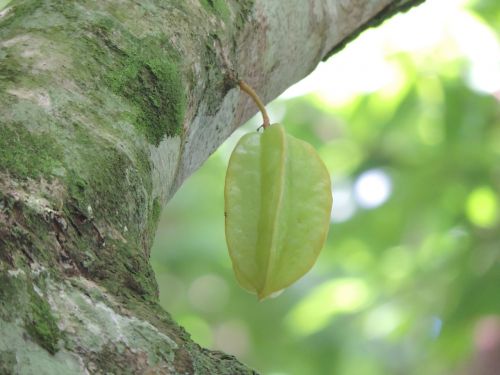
(407, 120)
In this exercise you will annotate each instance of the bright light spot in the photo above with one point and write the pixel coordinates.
(232, 337)
(347, 295)
(437, 325)
(343, 203)
(346, 75)
(382, 321)
(482, 207)
(372, 188)
(484, 57)
(450, 32)
(208, 293)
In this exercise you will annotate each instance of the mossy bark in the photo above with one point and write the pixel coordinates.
(105, 108)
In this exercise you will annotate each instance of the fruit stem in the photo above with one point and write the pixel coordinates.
(247, 89)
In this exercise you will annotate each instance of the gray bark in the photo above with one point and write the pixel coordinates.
(106, 107)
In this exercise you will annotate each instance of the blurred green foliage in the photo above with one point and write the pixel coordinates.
(402, 282)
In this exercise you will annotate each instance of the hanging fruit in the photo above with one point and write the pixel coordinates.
(278, 200)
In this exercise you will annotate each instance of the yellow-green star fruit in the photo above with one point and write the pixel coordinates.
(278, 200)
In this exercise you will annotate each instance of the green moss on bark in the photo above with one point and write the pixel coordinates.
(10, 69)
(42, 325)
(110, 360)
(155, 87)
(7, 362)
(25, 154)
(217, 7)
(243, 13)
(146, 72)
(19, 299)
(156, 210)
(11, 296)
(110, 188)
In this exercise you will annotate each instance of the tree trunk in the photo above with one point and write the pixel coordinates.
(106, 107)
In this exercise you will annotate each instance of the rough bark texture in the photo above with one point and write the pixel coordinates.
(105, 108)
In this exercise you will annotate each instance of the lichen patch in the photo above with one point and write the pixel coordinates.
(39, 97)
